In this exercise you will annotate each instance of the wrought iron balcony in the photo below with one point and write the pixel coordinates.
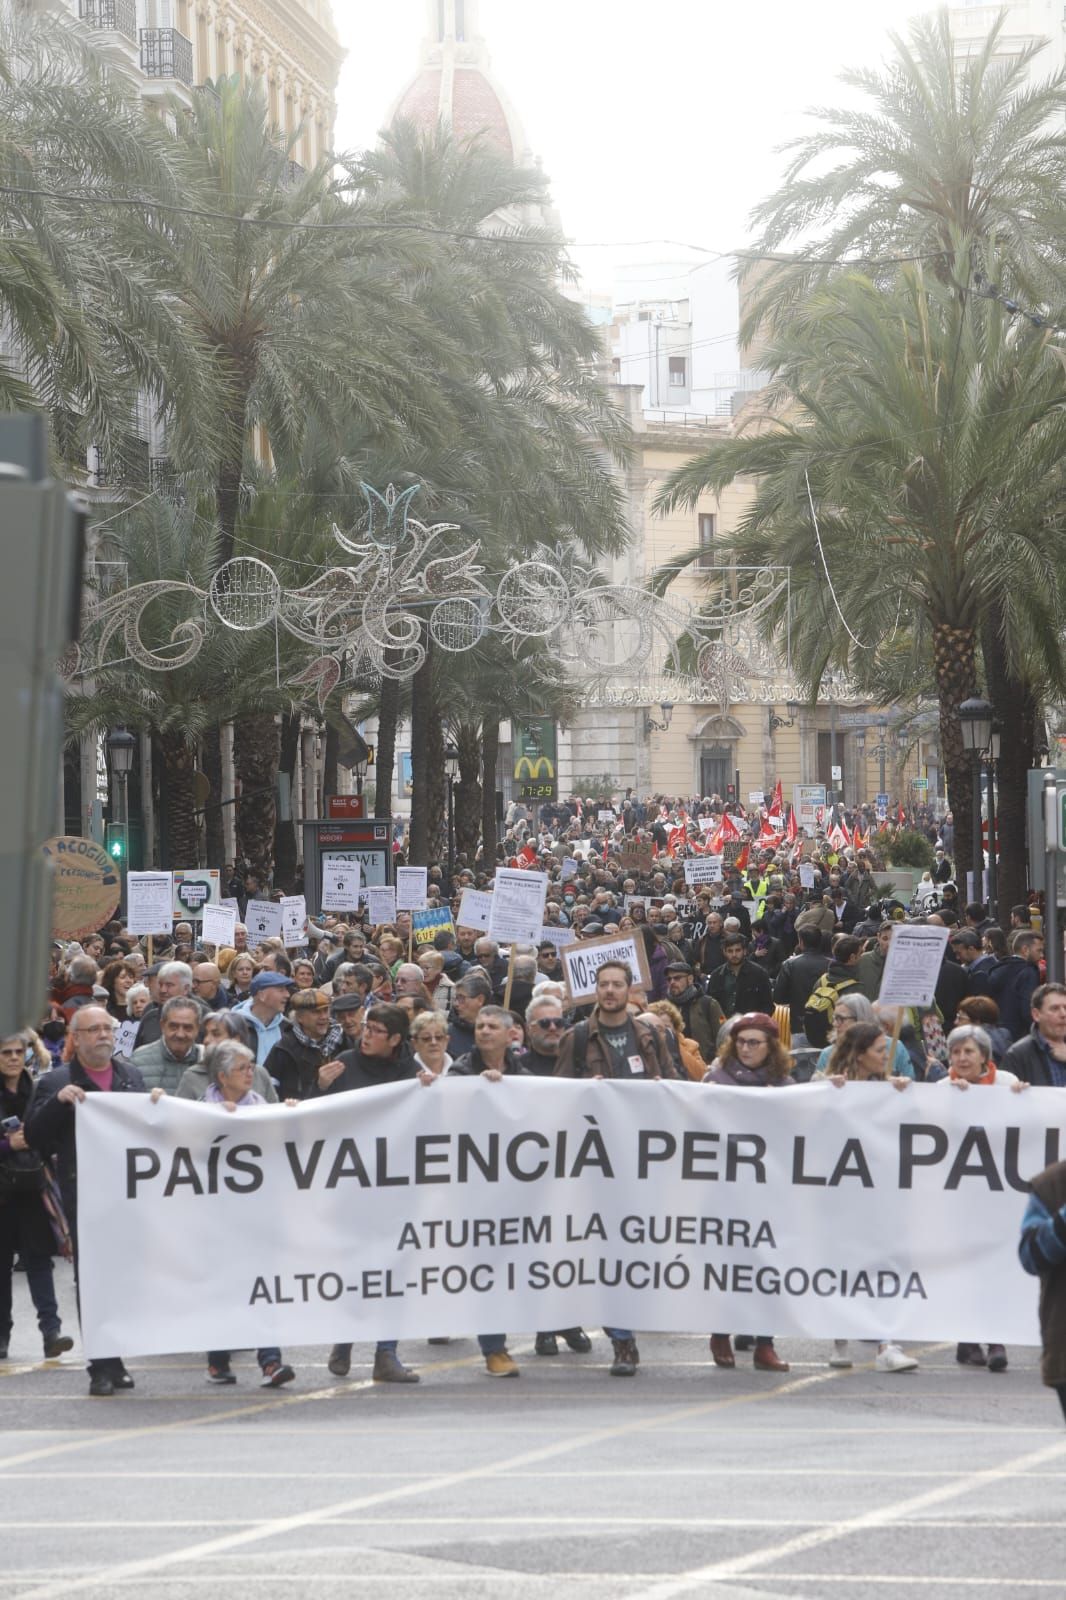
(111, 16)
(166, 53)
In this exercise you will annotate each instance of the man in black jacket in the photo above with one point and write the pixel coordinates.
(799, 974)
(1041, 1058)
(309, 1038)
(702, 1016)
(739, 985)
(383, 1056)
(50, 1121)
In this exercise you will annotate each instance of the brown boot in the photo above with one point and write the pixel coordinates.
(626, 1358)
(767, 1359)
(388, 1368)
(722, 1350)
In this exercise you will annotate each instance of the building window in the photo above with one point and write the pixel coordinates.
(708, 528)
(616, 366)
(678, 372)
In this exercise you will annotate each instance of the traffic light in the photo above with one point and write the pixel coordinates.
(42, 537)
(731, 792)
(116, 843)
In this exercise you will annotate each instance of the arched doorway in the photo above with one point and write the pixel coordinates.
(716, 751)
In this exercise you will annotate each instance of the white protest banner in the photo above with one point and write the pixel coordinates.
(703, 869)
(856, 1213)
(293, 920)
(219, 925)
(708, 824)
(581, 962)
(263, 921)
(556, 936)
(340, 885)
(912, 965)
(569, 869)
(517, 910)
(412, 888)
(474, 909)
(126, 1038)
(806, 875)
(149, 898)
(381, 903)
(604, 815)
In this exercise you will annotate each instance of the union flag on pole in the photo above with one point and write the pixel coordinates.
(792, 831)
(728, 831)
(777, 805)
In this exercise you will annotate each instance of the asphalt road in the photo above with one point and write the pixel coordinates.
(685, 1481)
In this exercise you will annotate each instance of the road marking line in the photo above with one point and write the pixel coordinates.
(883, 1516)
(422, 1488)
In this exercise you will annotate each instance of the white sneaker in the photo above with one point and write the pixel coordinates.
(840, 1357)
(892, 1359)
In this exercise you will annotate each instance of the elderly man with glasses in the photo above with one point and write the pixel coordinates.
(91, 1068)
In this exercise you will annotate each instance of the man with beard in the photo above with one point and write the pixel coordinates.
(702, 1016)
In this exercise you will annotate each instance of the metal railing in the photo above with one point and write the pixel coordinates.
(111, 16)
(166, 53)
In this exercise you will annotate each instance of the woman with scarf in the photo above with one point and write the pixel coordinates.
(970, 1062)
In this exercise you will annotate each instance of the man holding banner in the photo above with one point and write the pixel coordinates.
(612, 1044)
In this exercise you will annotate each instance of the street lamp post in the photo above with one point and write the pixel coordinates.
(993, 865)
(975, 718)
(121, 747)
(451, 768)
(882, 751)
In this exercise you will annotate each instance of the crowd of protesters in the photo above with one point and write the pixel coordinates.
(769, 978)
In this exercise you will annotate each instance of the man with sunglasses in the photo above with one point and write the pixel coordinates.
(545, 1027)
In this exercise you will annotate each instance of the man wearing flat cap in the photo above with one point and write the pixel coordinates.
(309, 1038)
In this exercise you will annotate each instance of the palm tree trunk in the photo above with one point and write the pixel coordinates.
(468, 791)
(490, 755)
(385, 756)
(256, 751)
(1016, 713)
(178, 793)
(285, 832)
(955, 668)
(211, 758)
(329, 760)
(422, 709)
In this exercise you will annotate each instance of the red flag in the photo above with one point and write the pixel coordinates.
(742, 860)
(728, 830)
(528, 855)
(777, 805)
(769, 835)
(901, 815)
(836, 837)
(793, 828)
(676, 836)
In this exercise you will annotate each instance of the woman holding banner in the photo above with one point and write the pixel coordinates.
(861, 1056)
(752, 1057)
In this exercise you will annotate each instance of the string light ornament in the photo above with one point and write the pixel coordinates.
(369, 618)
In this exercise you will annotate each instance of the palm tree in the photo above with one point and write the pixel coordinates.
(909, 468)
(948, 158)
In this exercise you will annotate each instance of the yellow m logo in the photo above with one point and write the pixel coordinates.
(527, 767)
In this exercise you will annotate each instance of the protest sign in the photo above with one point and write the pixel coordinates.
(707, 824)
(912, 965)
(126, 1038)
(340, 885)
(149, 899)
(636, 856)
(703, 869)
(857, 1213)
(569, 869)
(195, 888)
(218, 925)
(412, 888)
(517, 909)
(603, 815)
(556, 936)
(474, 909)
(85, 886)
(428, 923)
(263, 921)
(381, 903)
(806, 875)
(293, 920)
(581, 962)
(756, 797)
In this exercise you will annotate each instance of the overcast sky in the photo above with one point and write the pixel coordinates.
(653, 120)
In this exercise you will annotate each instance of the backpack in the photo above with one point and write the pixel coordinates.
(821, 1002)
